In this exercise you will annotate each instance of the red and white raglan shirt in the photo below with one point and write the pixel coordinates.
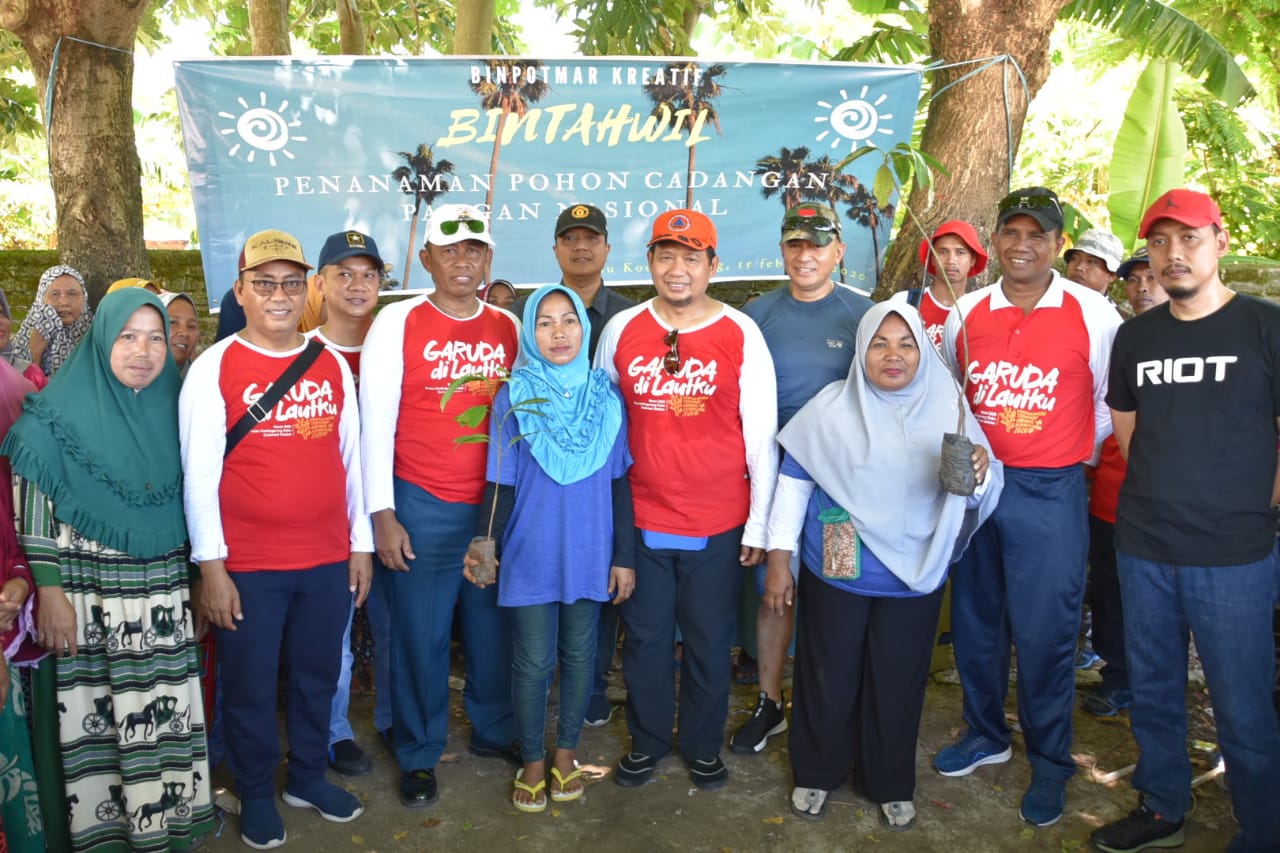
(412, 354)
(932, 312)
(351, 355)
(1037, 382)
(703, 440)
(289, 495)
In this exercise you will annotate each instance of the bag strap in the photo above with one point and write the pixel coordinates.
(914, 296)
(261, 408)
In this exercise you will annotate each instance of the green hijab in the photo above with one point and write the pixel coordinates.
(107, 456)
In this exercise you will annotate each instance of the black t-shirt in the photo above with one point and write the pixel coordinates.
(1202, 460)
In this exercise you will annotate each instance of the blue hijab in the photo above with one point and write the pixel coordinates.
(582, 413)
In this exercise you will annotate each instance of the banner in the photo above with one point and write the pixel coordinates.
(319, 145)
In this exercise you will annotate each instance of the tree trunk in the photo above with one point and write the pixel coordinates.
(350, 28)
(413, 240)
(474, 33)
(93, 159)
(972, 115)
(269, 27)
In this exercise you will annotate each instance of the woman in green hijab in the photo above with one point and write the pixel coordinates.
(120, 736)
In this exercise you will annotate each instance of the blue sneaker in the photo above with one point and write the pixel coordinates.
(333, 803)
(1086, 658)
(969, 753)
(260, 824)
(1107, 703)
(1042, 803)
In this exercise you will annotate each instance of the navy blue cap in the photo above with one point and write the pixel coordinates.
(348, 244)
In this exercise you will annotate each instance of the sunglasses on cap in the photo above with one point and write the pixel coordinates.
(810, 223)
(450, 226)
(1029, 202)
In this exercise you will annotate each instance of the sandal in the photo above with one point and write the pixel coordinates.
(746, 669)
(809, 803)
(533, 791)
(558, 793)
(898, 816)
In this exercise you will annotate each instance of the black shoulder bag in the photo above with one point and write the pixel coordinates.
(262, 407)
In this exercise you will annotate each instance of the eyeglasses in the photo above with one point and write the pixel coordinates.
(1029, 202)
(290, 286)
(450, 226)
(671, 361)
(810, 223)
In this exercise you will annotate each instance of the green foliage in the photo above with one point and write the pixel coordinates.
(888, 43)
(1157, 30)
(1150, 150)
(1236, 163)
(626, 27)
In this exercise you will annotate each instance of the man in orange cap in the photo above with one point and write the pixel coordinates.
(955, 243)
(699, 389)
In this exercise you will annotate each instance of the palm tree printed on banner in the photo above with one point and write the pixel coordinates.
(508, 87)
(866, 210)
(696, 93)
(420, 178)
(797, 179)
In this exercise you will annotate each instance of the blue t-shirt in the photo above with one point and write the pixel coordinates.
(812, 343)
(558, 542)
(875, 580)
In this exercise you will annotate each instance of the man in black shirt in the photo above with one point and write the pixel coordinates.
(1194, 397)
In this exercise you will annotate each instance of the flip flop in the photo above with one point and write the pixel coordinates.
(558, 793)
(811, 805)
(898, 809)
(533, 791)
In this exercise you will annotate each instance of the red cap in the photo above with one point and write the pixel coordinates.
(965, 232)
(688, 227)
(1193, 209)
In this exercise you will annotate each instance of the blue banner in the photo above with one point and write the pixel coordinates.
(315, 146)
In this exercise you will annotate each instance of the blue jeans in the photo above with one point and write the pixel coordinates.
(538, 631)
(380, 626)
(1229, 610)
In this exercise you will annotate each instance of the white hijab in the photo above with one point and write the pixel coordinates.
(877, 454)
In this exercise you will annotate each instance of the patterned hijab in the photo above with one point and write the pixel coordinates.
(581, 416)
(44, 319)
(105, 455)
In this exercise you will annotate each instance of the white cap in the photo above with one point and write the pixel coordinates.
(453, 223)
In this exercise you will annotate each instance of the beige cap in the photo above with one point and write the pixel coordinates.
(271, 245)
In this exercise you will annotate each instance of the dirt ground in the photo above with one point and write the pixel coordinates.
(975, 813)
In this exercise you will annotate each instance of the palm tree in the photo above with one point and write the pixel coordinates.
(839, 188)
(696, 91)
(795, 176)
(420, 178)
(508, 87)
(865, 210)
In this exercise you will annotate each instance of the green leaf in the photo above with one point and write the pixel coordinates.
(473, 438)
(473, 416)
(884, 186)
(1150, 150)
(1157, 30)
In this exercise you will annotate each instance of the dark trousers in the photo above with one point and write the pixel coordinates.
(1104, 603)
(698, 592)
(303, 614)
(421, 602)
(606, 645)
(1022, 581)
(861, 668)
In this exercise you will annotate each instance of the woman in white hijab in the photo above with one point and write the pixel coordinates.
(859, 494)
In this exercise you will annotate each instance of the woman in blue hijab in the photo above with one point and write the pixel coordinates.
(564, 526)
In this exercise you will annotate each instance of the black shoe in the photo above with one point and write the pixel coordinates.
(1141, 830)
(634, 768)
(347, 758)
(709, 774)
(418, 788)
(509, 753)
(388, 736)
(767, 720)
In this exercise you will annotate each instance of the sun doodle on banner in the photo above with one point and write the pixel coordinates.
(854, 119)
(260, 128)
